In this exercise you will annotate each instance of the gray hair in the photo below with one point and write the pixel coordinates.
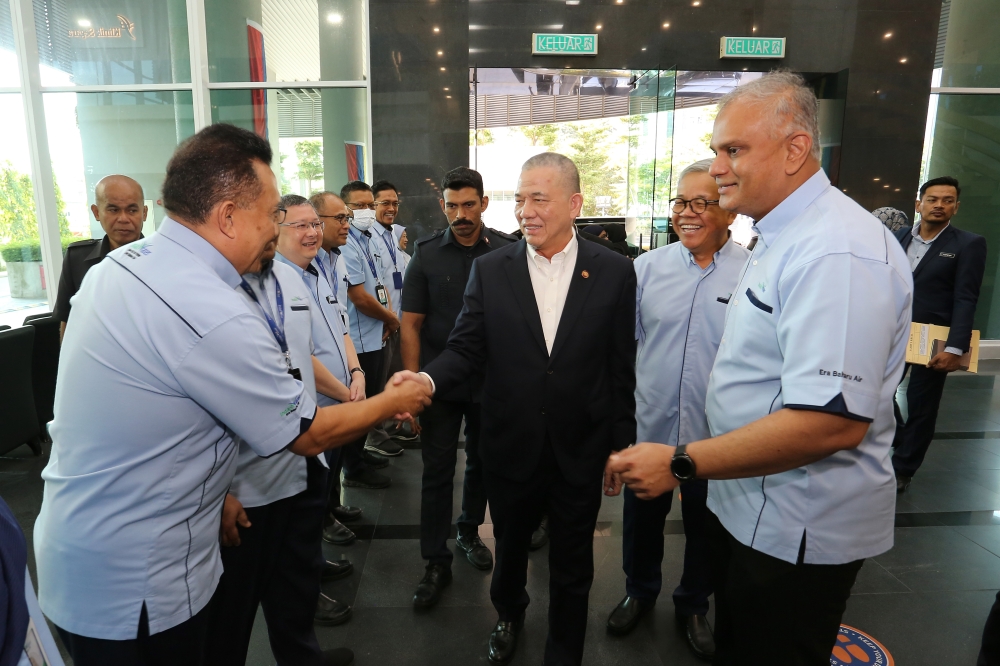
(563, 164)
(290, 200)
(701, 166)
(791, 103)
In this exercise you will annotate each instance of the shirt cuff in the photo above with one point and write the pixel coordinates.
(954, 350)
(431, 380)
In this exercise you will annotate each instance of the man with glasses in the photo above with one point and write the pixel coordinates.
(372, 320)
(681, 298)
(386, 209)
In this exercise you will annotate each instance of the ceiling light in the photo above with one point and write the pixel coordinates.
(620, 1)
(437, 29)
(83, 23)
(447, 89)
(902, 60)
(442, 69)
(334, 18)
(573, 2)
(745, 68)
(643, 48)
(598, 26)
(666, 25)
(755, 28)
(449, 97)
(876, 179)
(887, 35)
(886, 186)
(440, 53)
(696, 3)
(896, 190)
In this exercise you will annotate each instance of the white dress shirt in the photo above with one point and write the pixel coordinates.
(550, 282)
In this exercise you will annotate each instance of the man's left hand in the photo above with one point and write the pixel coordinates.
(945, 362)
(644, 468)
(357, 386)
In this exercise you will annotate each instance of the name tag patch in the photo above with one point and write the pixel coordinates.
(947, 255)
(300, 307)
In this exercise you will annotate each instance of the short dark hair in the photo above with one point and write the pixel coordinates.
(462, 177)
(382, 186)
(942, 180)
(290, 200)
(214, 165)
(354, 186)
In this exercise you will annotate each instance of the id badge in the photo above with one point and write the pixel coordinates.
(332, 300)
(397, 280)
(294, 372)
(381, 295)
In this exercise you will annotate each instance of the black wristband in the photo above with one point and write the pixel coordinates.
(353, 370)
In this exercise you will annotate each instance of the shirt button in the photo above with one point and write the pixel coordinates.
(548, 309)
(736, 302)
(755, 262)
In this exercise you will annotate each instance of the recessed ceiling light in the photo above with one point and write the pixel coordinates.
(447, 89)
(598, 26)
(442, 69)
(334, 18)
(887, 35)
(876, 179)
(755, 28)
(643, 48)
(886, 186)
(572, 2)
(448, 96)
(696, 3)
(745, 68)
(83, 23)
(666, 25)
(896, 190)
(902, 60)
(437, 29)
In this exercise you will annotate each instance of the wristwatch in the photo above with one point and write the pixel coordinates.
(353, 370)
(682, 467)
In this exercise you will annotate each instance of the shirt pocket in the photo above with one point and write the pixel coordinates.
(757, 303)
(445, 290)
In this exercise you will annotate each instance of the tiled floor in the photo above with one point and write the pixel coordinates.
(925, 600)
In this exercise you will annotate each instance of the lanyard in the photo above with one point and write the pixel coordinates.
(319, 304)
(368, 256)
(334, 284)
(278, 331)
(388, 245)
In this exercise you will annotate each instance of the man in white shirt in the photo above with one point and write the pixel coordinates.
(550, 322)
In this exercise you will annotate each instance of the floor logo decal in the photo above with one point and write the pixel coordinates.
(856, 647)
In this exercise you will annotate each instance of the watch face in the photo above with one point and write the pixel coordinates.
(682, 468)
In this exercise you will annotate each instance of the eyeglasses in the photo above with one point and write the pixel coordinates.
(278, 216)
(340, 219)
(302, 227)
(388, 204)
(359, 206)
(698, 204)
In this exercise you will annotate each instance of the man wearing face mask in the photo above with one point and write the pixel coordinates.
(371, 320)
(120, 209)
(432, 300)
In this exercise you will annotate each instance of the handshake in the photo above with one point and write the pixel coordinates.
(408, 393)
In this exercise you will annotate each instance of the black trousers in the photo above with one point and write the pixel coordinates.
(373, 363)
(923, 397)
(989, 653)
(516, 508)
(277, 566)
(756, 594)
(441, 423)
(183, 644)
(642, 548)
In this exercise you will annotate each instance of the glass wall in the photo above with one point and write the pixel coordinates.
(964, 135)
(121, 84)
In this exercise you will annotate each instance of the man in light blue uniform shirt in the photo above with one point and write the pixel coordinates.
(681, 299)
(800, 401)
(273, 513)
(127, 539)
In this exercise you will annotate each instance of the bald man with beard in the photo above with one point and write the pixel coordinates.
(121, 212)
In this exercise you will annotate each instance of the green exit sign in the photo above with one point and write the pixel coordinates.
(544, 43)
(752, 47)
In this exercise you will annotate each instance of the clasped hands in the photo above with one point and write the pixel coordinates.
(410, 393)
(644, 468)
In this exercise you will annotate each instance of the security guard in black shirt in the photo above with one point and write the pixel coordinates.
(432, 299)
(121, 211)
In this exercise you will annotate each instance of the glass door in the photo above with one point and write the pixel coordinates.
(650, 146)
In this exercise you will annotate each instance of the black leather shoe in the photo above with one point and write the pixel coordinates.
(627, 614)
(437, 577)
(337, 569)
(503, 641)
(476, 551)
(338, 534)
(374, 460)
(540, 537)
(386, 448)
(367, 478)
(699, 635)
(338, 657)
(902, 483)
(346, 514)
(330, 612)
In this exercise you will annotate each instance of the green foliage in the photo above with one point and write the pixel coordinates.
(310, 156)
(30, 250)
(598, 177)
(481, 137)
(547, 135)
(18, 222)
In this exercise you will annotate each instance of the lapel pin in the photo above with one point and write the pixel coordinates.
(585, 275)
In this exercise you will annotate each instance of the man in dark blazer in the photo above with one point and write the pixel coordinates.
(551, 321)
(948, 266)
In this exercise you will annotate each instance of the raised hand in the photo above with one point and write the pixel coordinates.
(644, 468)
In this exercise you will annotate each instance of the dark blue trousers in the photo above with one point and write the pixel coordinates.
(642, 548)
(277, 566)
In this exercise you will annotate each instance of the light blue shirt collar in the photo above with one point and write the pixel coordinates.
(771, 225)
(201, 248)
(915, 232)
(715, 257)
